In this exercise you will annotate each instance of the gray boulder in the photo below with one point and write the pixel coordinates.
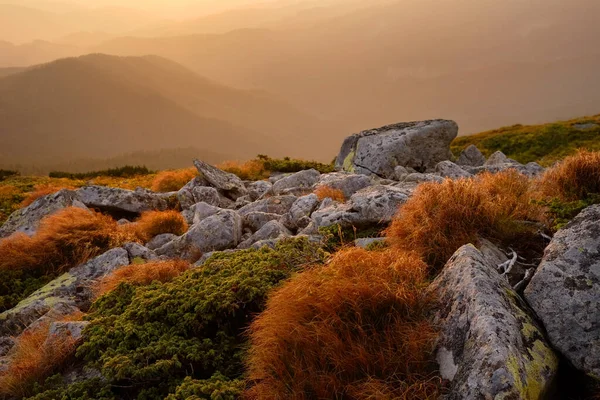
(422, 178)
(229, 184)
(531, 169)
(203, 210)
(271, 230)
(272, 205)
(300, 180)
(347, 183)
(471, 157)
(257, 219)
(121, 200)
(419, 145)
(565, 291)
(400, 173)
(27, 219)
(489, 346)
(62, 330)
(185, 195)
(217, 232)
(447, 169)
(160, 240)
(138, 253)
(499, 158)
(65, 294)
(258, 189)
(299, 215)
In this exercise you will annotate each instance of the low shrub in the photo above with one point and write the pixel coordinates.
(53, 388)
(441, 217)
(263, 166)
(324, 192)
(147, 339)
(356, 329)
(577, 177)
(253, 170)
(63, 240)
(10, 200)
(5, 173)
(142, 274)
(336, 236)
(218, 387)
(33, 358)
(127, 171)
(172, 181)
(153, 223)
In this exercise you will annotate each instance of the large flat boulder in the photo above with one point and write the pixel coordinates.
(565, 291)
(227, 183)
(418, 145)
(121, 200)
(489, 346)
(300, 180)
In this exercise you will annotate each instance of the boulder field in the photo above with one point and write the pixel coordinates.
(500, 338)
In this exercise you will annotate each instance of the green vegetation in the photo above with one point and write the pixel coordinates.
(127, 171)
(4, 173)
(337, 236)
(288, 164)
(147, 339)
(544, 144)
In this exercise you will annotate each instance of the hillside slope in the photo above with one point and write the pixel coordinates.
(545, 143)
(99, 106)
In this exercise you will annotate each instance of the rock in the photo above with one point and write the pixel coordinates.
(228, 183)
(585, 126)
(120, 200)
(365, 243)
(203, 210)
(6, 344)
(371, 206)
(27, 220)
(138, 253)
(272, 205)
(271, 230)
(489, 347)
(419, 145)
(185, 195)
(532, 169)
(206, 195)
(299, 215)
(242, 201)
(400, 173)
(447, 169)
(421, 178)
(499, 158)
(471, 157)
(258, 189)
(565, 291)
(217, 232)
(63, 330)
(257, 219)
(347, 183)
(300, 180)
(160, 240)
(65, 294)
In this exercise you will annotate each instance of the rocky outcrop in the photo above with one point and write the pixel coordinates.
(299, 215)
(229, 184)
(447, 169)
(272, 205)
(471, 157)
(27, 220)
(418, 145)
(565, 291)
(116, 200)
(270, 230)
(489, 346)
(300, 180)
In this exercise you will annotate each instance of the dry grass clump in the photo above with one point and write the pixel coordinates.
(142, 274)
(324, 192)
(441, 217)
(577, 177)
(172, 181)
(353, 329)
(249, 170)
(41, 191)
(153, 223)
(34, 357)
(63, 240)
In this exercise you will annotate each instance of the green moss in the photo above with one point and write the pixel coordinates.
(544, 144)
(18, 289)
(147, 340)
(348, 165)
(336, 236)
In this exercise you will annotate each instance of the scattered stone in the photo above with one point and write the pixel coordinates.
(419, 145)
(160, 240)
(228, 183)
(120, 200)
(499, 158)
(422, 178)
(471, 157)
(203, 210)
(300, 180)
(272, 205)
(489, 347)
(257, 219)
(138, 253)
(585, 126)
(62, 330)
(271, 230)
(565, 291)
(447, 169)
(400, 173)
(258, 189)
(299, 215)
(186, 194)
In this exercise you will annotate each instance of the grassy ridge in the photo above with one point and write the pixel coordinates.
(544, 144)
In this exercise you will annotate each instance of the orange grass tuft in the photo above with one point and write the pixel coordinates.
(34, 357)
(354, 329)
(324, 192)
(441, 217)
(575, 178)
(153, 223)
(41, 191)
(142, 274)
(172, 181)
(249, 170)
(63, 240)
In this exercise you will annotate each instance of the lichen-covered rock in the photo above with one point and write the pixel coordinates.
(271, 230)
(63, 295)
(160, 240)
(27, 219)
(499, 158)
(272, 205)
(531, 169)
(300, 180)
(121, 200)
(447, 169)
(418, 177)
(471, 157)
(258, 189)
(565, 291)
(228, 183)
(257, 219)
(72, 330)
(138, 253)
(203, 210)
(419, 145)
(489, 346)
(347, 183)
(299, 215)
(185, 195)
